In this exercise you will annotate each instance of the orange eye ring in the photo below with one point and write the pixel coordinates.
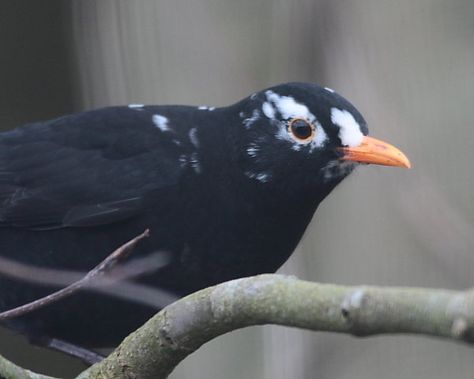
(301, 130)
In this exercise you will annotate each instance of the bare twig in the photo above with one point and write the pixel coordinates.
(120, 278)
(90, 278)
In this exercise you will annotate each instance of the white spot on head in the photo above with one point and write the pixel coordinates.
(288, 107)
(349, 129)
(136, 106)
(177, 142)
(193, 137)
(250, 120)
(268, 110)
(161, 122)
(329, 89)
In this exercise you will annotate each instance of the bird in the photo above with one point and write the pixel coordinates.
(227, 192)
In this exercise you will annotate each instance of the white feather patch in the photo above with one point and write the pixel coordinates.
(193, 137)
(195, 163)
(161, 122)
(349, 129)
(288, 107)
(260, 176)
(248, 122)
(252, 151)
(268, 110)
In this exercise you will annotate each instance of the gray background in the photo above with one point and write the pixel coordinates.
(407, 65)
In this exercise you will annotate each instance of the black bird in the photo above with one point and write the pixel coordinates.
(227, 192)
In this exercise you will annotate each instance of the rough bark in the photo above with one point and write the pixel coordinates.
(155, 349)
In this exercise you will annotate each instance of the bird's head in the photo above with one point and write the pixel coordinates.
(300, 134)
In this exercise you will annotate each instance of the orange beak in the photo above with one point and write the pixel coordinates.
(374, 151)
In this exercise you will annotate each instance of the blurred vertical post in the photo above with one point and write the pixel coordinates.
(35, 72)
(35, 84)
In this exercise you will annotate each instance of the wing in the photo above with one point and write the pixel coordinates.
(91, 168)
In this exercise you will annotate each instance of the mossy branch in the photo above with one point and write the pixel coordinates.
(155, 349)
(8, 370)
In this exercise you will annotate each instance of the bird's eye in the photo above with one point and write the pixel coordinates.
(301, 130)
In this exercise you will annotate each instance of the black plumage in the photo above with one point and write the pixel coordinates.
(227, 192)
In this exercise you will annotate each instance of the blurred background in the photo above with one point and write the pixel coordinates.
(408, 65)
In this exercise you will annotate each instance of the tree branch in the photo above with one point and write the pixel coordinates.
(9, 370)
(155, 349)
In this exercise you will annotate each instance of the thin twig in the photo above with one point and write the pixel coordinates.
(101, 269)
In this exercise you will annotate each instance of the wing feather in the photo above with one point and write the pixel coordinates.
(86, 169)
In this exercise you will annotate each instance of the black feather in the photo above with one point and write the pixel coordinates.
(75, 188)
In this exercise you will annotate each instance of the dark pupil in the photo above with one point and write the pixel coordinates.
(301, 129)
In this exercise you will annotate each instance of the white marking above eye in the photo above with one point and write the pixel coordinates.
(349, 129)
(289, 107)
